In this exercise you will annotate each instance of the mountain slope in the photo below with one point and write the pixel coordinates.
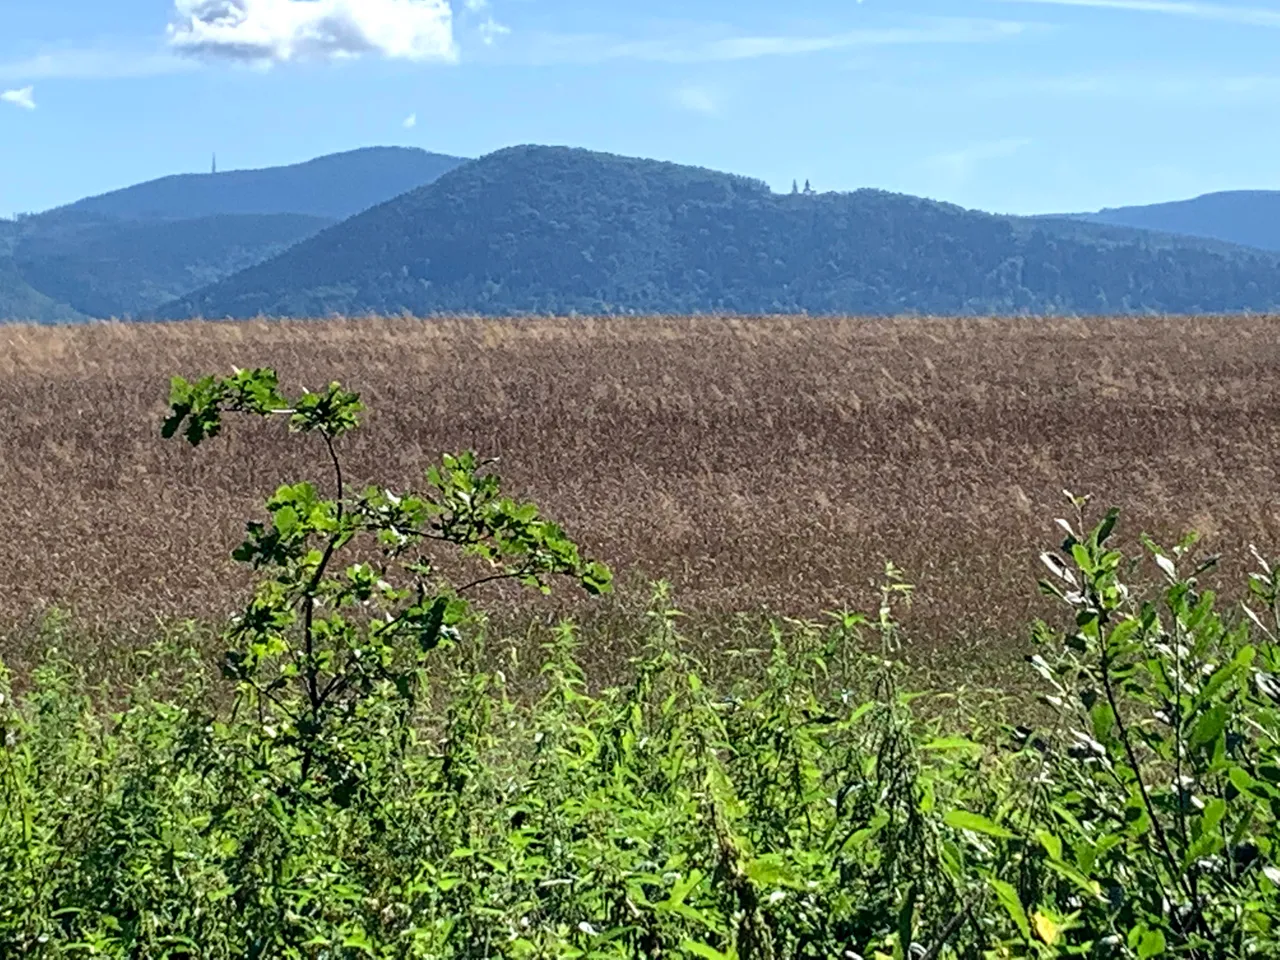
(125, 253)
(541, 230)
(114, 268)
(334, 187)
(19, 301)
(1247, 217)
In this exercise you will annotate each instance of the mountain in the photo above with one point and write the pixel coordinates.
(20, 302)
(18, 299)
(125, 253)
(124, 268)
(333, 187)
(1247, 217)
(554, 230)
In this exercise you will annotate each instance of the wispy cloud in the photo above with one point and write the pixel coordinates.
(596, 48)
(84, 64)
(491, 30)
(410, 121)
(1226, 13)
(959, 165)
(697, 99)
(280, 31)
(1143, 85)
(24, 98)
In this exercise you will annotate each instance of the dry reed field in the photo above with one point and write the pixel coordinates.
(756, 463)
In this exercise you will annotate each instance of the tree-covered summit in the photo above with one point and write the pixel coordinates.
(552, 230)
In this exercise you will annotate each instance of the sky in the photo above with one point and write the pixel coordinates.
(1014, 106)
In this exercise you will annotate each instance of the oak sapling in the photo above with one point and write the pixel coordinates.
(329, 651)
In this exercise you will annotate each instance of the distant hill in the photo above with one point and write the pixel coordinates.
(124, 268)
(554, 230)
(126, 253)
(333, 187)
(18, 299)
(1247, 217)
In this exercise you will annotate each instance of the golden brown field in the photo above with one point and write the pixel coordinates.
(757, 463)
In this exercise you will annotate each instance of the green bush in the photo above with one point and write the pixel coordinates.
(373, 787)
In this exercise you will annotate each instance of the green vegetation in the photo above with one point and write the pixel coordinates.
(552, 231)
(371, 777)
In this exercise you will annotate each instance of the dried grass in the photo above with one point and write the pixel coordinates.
(757, 463)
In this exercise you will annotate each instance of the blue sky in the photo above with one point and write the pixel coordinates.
(1010, 105)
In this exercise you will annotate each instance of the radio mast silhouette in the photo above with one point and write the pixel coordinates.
(215, 163)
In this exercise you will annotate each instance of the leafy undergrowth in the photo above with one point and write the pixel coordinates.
(370, 785)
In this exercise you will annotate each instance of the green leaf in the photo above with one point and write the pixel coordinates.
(1104, 531)
(1052, 844)
(706, 952)
(1080, 554)
(1152, 944)
(286, 521)
(1239, 664)
(954, 743)
(1012, 904)
(1210, 726)
(907, 919)
(1241, 780)
(1089, 887)
(770, 871)
(1103, 719)
(963, 820)
(1214, 812)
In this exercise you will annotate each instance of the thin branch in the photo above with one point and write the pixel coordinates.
(511, 575)
(949, 931)
(337, 472)
(1122, 730)
(308, 629)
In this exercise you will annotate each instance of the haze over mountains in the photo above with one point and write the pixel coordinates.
(556, 230)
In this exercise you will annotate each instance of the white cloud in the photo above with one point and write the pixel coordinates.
(491, 30)
(959, 165)
(410, 121)
(698, 100)
(280, 31)
(589, 48)
(475, 6)
(1246, 16)
(24, 98)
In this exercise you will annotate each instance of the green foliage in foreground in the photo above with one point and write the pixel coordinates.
(376, 788)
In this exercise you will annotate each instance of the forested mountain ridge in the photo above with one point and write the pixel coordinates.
(333, 187)
(18, 299)
(1247, 217)
(555, 230)
(125, 268)
(125, 253)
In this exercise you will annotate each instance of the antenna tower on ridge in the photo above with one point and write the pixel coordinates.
(215, 163)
